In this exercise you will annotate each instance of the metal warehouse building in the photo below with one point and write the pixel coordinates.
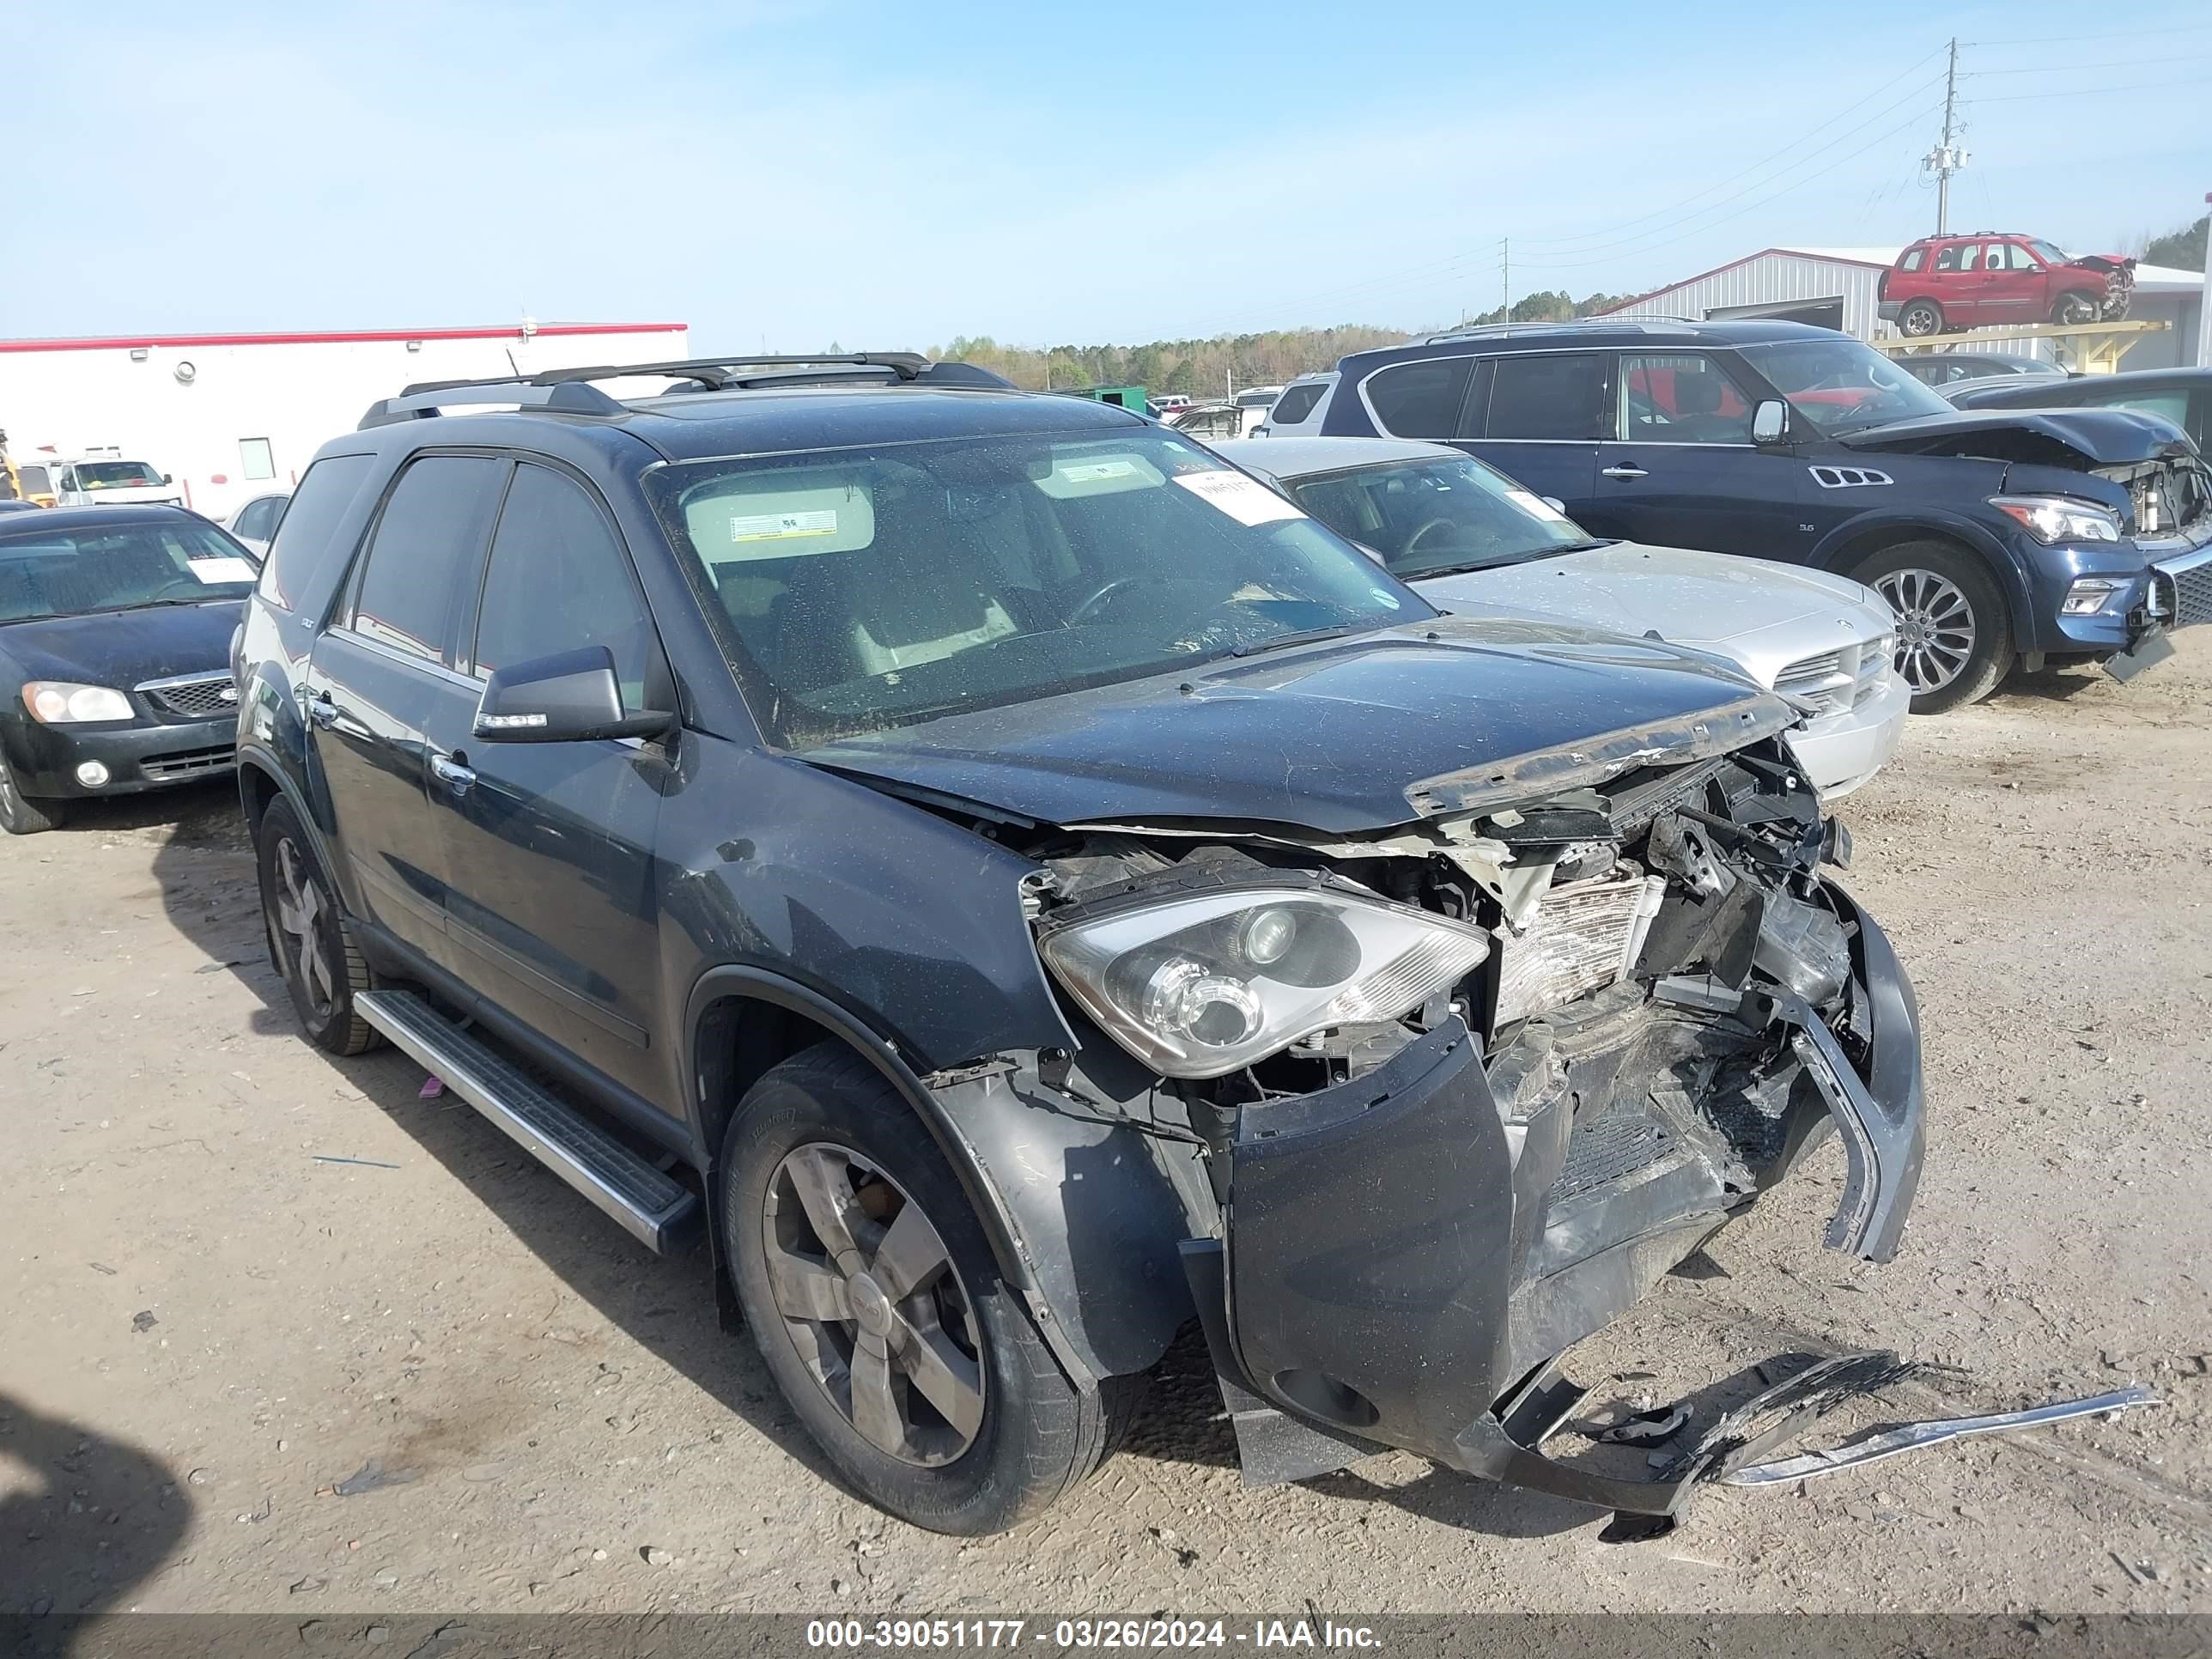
(1837, 287)
(234, 416)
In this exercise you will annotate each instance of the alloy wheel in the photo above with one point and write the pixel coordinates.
(870, 1300)
(299, 919)
(1935, 630)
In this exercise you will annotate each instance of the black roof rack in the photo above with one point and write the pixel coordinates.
(569, 391)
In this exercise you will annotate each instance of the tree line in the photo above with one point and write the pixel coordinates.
(1212, 369)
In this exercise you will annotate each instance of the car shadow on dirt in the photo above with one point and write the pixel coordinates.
(97, 1517)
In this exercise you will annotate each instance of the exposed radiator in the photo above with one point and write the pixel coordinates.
(1584, 936)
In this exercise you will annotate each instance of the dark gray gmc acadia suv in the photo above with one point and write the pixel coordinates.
(1022, 885)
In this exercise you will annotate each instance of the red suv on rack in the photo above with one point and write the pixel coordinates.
(1943, 284)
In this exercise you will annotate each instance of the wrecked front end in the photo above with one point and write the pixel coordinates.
(1452, 1096)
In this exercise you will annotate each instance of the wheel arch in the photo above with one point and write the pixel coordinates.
(740, 1021)
(1851, 545)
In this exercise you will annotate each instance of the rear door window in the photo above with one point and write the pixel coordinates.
(303, 544)
(1420, 399)
(1947, 258)
(1560, 398)
(432, 527)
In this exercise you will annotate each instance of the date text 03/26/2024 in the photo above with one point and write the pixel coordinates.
(894, 1634)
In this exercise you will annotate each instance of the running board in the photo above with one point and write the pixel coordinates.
(646, 1202)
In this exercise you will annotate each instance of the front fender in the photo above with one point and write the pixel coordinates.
(1842, 548)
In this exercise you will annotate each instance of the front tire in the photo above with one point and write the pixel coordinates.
(2074, 310)
(310, 942)
(1920, 319)
(21, 816)
(1953, 630)
(876, 1302)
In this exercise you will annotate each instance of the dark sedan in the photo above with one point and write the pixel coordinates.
(115, 627)
(2183, 395)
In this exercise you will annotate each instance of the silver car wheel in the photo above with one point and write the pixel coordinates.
(1935, 630)
(872, 1304)
(299, 916)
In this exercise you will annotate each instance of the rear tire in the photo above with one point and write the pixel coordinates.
(21, 816)
(1953, 629)
(310, 942)
(821, 1164)
(1920, 319)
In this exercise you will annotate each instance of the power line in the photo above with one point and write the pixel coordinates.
(2110, 62)
(2076, 40)
(2088, 92)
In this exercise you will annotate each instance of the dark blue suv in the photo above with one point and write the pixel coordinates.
(1999, 538)
(1023, 885)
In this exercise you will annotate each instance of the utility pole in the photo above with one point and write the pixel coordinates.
(1505, 271)
(1946, 158)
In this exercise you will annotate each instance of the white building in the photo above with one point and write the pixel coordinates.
(233, 416)
(1835, 288)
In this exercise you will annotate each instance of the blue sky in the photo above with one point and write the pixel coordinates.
(788, 173)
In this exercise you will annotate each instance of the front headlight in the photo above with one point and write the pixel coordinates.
(1195, 986)
(58, 702)
(2059, 519)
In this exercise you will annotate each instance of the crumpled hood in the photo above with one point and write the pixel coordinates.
(2044, 437)
(1349, 735)
(1709, 600)
(122, 647)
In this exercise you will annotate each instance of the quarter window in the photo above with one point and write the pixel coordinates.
(1557, 398)
(1913, 259)
(1681, 398)
(1420, 399)
(1296, 404)
(558, 580)
(433, 525)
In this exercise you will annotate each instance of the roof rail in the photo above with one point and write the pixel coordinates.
(569, 391)
(422, 402)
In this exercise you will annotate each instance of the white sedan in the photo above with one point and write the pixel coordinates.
(1467, 538)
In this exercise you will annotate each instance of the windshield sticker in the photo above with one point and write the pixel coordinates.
(1093, 474)
(231, 570)
(778, 527)
(1536, 504)
(1243, 499)
(1384, 596)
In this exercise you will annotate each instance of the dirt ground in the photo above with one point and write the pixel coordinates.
(206, 1326)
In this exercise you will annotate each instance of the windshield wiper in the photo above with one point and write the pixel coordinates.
(1500, 560)
(1303, 636)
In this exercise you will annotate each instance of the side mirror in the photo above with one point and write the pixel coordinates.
(571, 697)
(166, 478)
(1770, 422)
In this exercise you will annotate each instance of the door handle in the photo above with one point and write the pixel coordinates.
(320, 709)
(451, 770)
(1625, 473)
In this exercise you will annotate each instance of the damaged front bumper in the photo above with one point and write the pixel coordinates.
(1406, 1254)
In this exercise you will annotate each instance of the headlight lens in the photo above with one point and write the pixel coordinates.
(2057, 518)
(1196, 986)
(58, 702)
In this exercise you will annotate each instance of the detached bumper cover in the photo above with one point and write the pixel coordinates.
(1372, 1261)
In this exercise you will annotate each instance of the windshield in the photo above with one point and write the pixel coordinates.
(1841, 385)
(116, 475)
(2049, 253)
(71, 572)
(1428, 517)
(857, 589)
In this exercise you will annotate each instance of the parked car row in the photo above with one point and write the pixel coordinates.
(1024, 882)
(1999, 538)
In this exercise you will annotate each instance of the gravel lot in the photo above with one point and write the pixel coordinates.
(204, 1329)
